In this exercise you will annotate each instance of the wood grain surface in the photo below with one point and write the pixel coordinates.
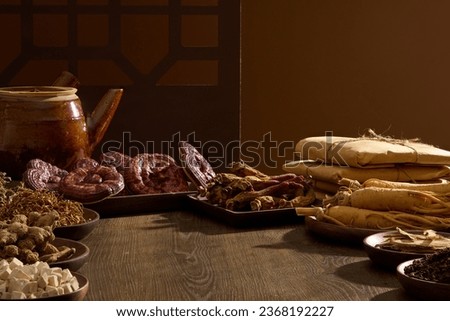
(183, 255)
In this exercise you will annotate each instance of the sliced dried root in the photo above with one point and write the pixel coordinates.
(428, 241)
(61, 253)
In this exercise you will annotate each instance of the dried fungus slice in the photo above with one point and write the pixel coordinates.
(88, 185)
(155, 173)
(121, 162)
(41, 175)
(87, 163)
(116, 159)
(196, 167)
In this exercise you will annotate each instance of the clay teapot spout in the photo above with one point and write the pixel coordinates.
(99, 120)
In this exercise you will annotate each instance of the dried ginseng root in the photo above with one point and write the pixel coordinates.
(370, 219)
(393, 199)
(442, 186)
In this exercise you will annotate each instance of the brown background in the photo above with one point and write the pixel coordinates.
(310, 67)
(345, 66)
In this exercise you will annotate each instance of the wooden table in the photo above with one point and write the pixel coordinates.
(185, 255)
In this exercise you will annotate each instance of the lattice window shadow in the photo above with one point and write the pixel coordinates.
(178, 61)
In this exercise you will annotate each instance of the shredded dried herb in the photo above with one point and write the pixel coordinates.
(16, 199)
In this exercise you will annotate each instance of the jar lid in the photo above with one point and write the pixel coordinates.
(37, 91)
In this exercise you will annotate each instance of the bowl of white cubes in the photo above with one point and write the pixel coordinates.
(39, 281)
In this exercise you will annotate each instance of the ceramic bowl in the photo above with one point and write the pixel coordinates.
(77, 295)
(79, 231)
(386, 258)
(422, 289)
(77, 260)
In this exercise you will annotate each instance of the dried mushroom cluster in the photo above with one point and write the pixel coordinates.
(91, 181)
(246, 188)
(87, 182)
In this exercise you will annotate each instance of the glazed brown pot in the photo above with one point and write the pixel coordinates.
(47, 122)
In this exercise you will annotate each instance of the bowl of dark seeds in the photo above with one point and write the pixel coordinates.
(427, 278)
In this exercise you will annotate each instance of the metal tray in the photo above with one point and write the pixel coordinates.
(245, 218)
(134, 204)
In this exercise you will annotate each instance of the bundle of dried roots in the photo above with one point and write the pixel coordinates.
(246, 188)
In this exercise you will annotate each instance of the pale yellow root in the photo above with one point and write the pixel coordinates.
(370, 219)
(308, 211)
(351, 184)
(392, 199)
(442, 187)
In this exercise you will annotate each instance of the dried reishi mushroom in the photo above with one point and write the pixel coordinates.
(41, 175)
(155, 173)
(86, 163)
(116, 159)
(87, 184)
(195, 165)
(120, 162)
